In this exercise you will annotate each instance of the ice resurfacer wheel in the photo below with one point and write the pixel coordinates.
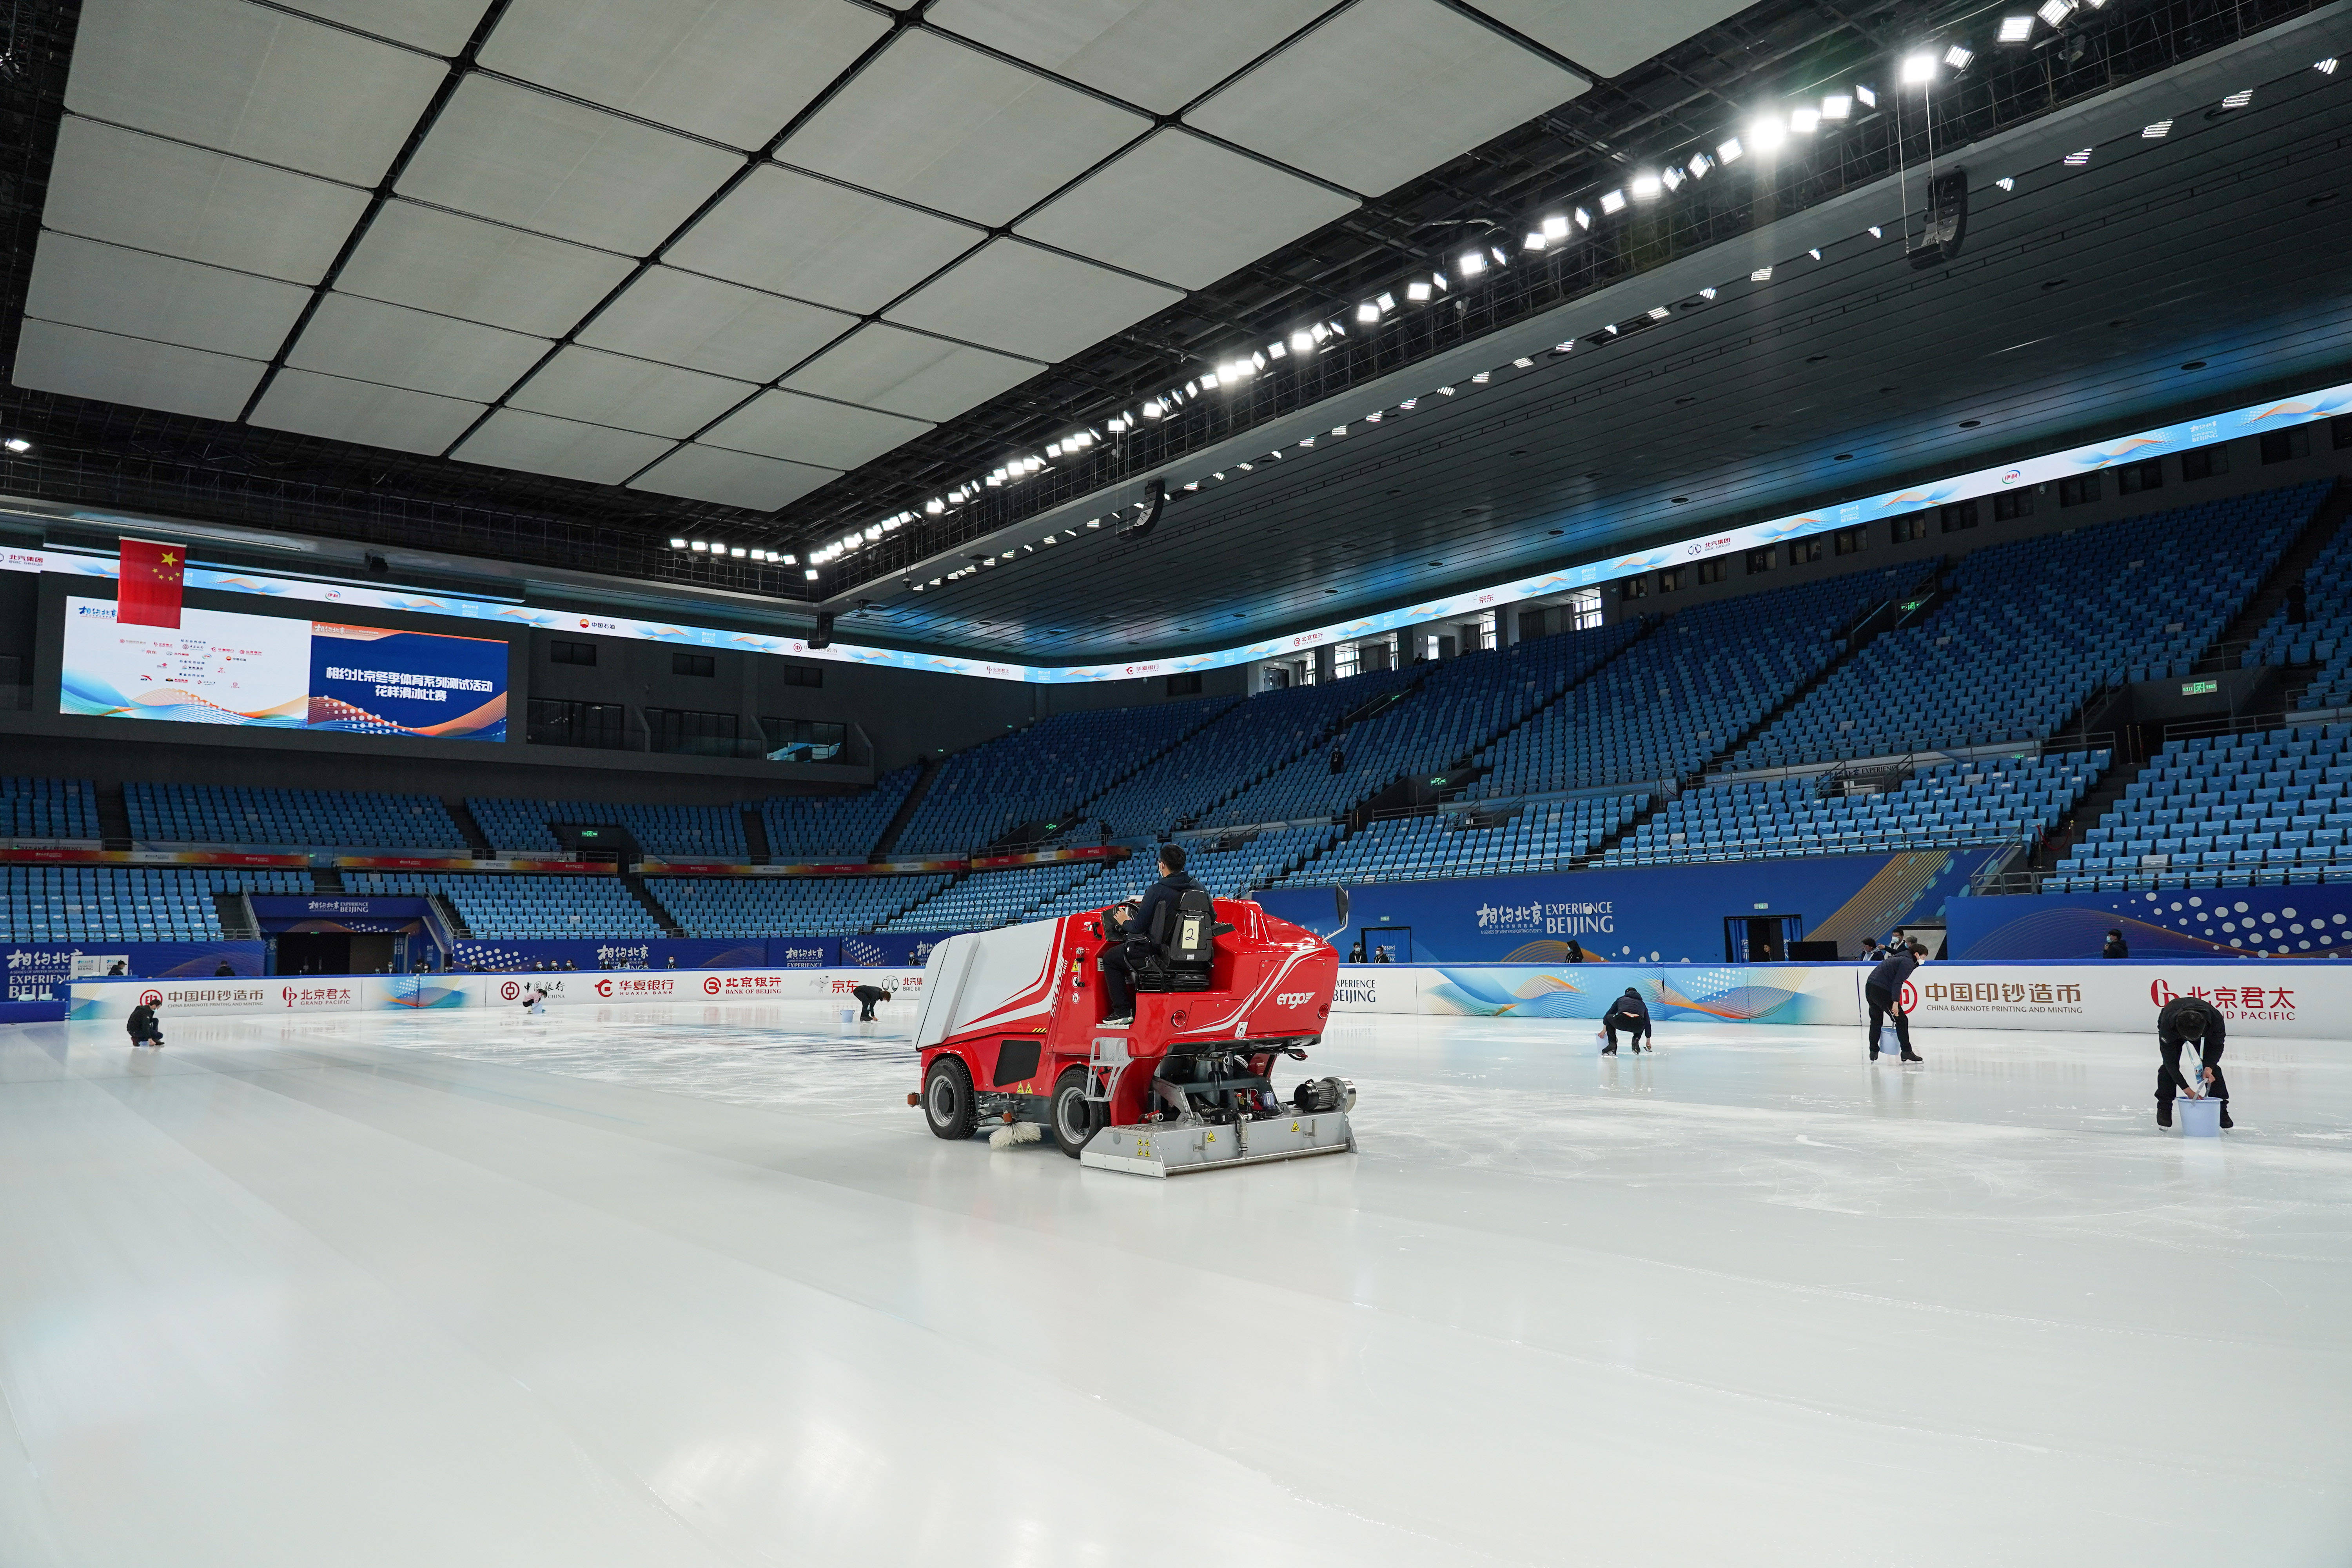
(947, 1099)
(1075, 1118)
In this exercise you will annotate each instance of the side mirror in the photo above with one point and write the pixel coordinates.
(1339, 899)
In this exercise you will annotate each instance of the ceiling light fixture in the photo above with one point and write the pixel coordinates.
(1674, 179)
(674, 545)
(1417, 290)
(1766, 132)
(1837, 106)
(2014, 30)
(1761, 274)
(2006, 183)
(2325, 67)
(1918, 70)
(1647, 186)
(1869, 99)
(1804, 121)
(2055, 12)
(1958, 57)
(2077, 158)
(2240, 98)
(1554, 226)
(1613, 203)
(1699, 164)
(2156, 132)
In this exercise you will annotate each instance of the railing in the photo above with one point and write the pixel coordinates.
(2248, 723)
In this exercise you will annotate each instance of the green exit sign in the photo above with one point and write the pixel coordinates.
(2199, 687)
(587, 833)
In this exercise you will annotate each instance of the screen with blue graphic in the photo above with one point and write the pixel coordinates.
(219, 667)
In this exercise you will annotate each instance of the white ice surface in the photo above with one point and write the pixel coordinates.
(696, 1287)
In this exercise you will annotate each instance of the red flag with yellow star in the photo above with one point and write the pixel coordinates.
(147, 583)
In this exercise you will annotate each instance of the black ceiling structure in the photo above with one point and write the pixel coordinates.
(1864, 308)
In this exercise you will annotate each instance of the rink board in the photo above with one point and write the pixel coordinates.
(439, 993)
(2292, 998)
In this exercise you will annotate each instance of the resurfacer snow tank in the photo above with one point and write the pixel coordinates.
(1011, 1031)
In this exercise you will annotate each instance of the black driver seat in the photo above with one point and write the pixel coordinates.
(1179, 959)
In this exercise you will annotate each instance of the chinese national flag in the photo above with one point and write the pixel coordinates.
(147, 584)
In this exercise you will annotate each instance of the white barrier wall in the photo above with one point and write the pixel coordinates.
(437, 992)
(2294, 999)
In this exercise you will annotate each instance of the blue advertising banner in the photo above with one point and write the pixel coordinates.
(613, 952)
(2208, 923)
(891, 948)
(38, 972)
(802, 952)
(1645, 914)
(337, 911)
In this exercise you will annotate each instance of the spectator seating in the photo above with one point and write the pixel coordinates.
(685, 832)
(47, 809)
(2034, 628)
(1544, 836)
(788, 906)
(835, 826)
(1262, 862)
(2007, 801)
(137, 903)
(988, 898)
(249, 814)
(1243, 745)
(509, 906)
(1044, 772)
(1461, 704)
(2323, 636)
(2231, 811)
(1686, 691)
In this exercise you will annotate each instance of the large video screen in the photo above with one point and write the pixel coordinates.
(218, 667)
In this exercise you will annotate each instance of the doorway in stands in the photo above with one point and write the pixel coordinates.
(336, 952)
(1388, 945)
(1760, 938)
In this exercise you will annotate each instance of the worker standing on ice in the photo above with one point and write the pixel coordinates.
(1884, 991)
(2183, 1019)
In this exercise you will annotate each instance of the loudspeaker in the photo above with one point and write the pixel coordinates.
(1946, 219)
(1155, 496)
(823, 636)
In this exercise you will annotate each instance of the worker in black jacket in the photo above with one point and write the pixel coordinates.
(867, 995)
(1631, 1013)
(146, 1029)
(2115, 946)
(1134, 934)
(1884, 991)
(2183, 1019)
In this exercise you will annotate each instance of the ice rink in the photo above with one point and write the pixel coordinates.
(696, 1288)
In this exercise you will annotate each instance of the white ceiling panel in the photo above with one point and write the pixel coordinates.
(80, 362)
(812, 430)
(1025, 301)
(367, 340)
(177, 200)
(440, 26)
(86, 284)
(684, 318)
(256, 82)
(932, 121)
(1608, 35)
(734, 70)
(628, 393)
(1160, 54)
(389, 416)
(487, 272)
(1383, 91)
(900, 371)
(1178, 207)
(812, 239)
(516, 155)
(536, 444)
(732, 479)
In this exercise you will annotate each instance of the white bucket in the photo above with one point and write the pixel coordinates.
(849, 1014)
(2199, 1117)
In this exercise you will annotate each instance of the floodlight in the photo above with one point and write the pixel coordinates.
(737, 554)
(1052, 448)
(2076, 159)
(1659, 312)
(1613, 202)
(1646, 186)
(678, 544)
(1320, 332)
(1761, 274)
(1920, 69)
(1417, 290)
(1876, 232)
(2055, 12)
(1674, 179)
(1815, 254)
(1301, 342)
(1387, 302)
(1438, 281)
(789, 559)
(1958, 58)
(1583, 218)
(2240, 98)
(2325, 67)
(934, 506)
(2006, 184)
(2156, 132)
(1766, 132)
(2014, 29)
(1837, 106)
(810, 574)
(18, 444)
(1472, 262)
(1368, 312)
(1534, 241)
(1523, 364)
(1869, 99)
(1699, 164)
(1707, 293)
(1729, 151)
(699, 547)
(1555, 225)
(1804, 121)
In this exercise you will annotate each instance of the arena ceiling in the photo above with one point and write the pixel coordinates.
(556, 281)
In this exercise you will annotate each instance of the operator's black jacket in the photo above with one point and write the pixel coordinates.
(1166, 890)
(141, 1024)
(1892, 973)
(2114, 947)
